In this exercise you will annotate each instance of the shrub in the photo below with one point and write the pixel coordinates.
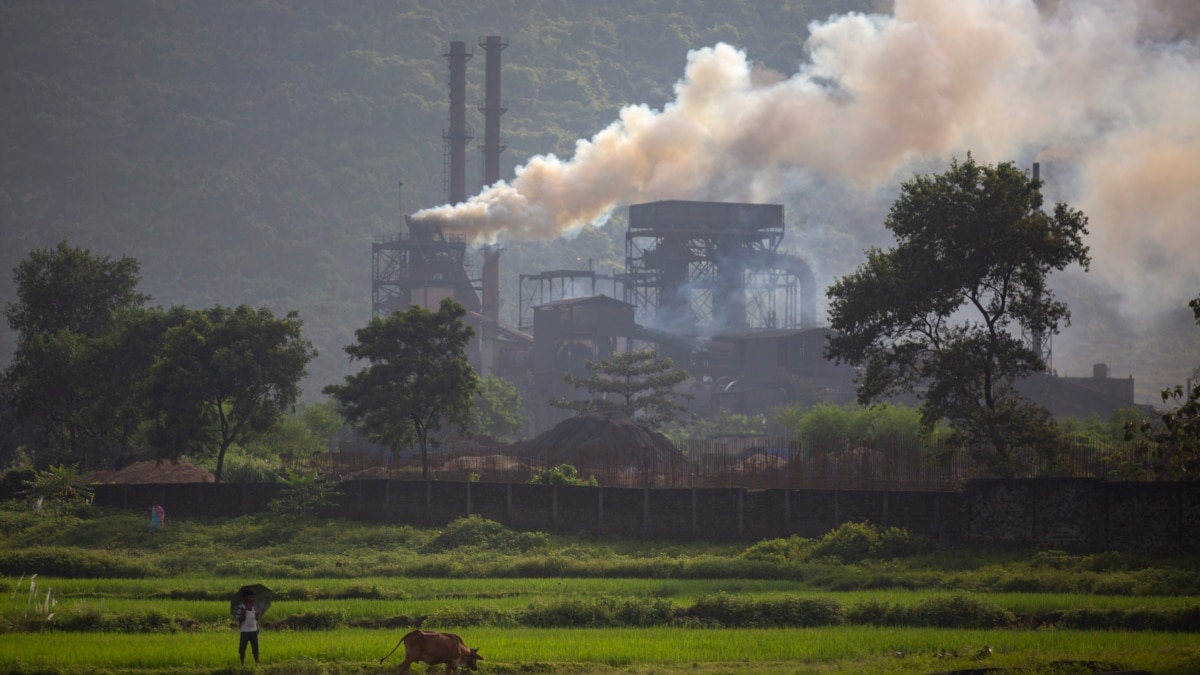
(792, 549)
(474, 531)
(317, 619)
(802, 612)
(304, 495)
(873, 613)
(856, 542)
(74, 564)
(958, 611)
(91, 619)
(563, 474)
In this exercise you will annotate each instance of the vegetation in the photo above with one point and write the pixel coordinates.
(417, 378)
(70, 380)
(941, 314)
(1174, 444)
(640, 384)
(352, 584)
(221, 376)
(563, 474)
(100, 379)
(497, 409)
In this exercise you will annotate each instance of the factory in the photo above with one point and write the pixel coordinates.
(704, 283)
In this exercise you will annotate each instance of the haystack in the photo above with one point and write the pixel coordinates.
(152, 471)
(603, 441)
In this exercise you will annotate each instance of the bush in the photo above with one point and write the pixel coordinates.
(477, 532)
(792, 549)
(563, 474)
(739, 612)
(92, 619)
(72, 563)
(857, 542)
(958, 611)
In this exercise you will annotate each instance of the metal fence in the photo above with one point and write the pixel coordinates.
(751, 462)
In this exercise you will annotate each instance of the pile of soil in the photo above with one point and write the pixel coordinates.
(154, 471)
(601, 441)
(482, 463)
(761, 462)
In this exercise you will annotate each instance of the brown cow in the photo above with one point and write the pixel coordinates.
(433, 648)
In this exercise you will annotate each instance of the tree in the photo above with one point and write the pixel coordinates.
(418, 378)
(1174, 442)
(223, 375)
(78, 352)
(941, 313)
(497, 410)
(642, 386)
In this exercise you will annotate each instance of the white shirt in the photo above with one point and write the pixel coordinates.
(249, 619)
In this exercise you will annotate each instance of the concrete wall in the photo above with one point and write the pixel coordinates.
(1083, 514)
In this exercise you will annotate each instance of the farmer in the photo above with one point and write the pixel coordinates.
(247, 618)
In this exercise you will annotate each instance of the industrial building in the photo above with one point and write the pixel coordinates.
(704, 283)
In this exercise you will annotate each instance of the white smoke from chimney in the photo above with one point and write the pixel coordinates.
(1109, 87)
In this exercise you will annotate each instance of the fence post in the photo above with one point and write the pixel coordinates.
(645, 510)
(787, 511)
(600, 509)
(468, 497)
(508, 503)
(554, 508)
(741, 511)
(694, 517)
(837, 511)
(429, 502)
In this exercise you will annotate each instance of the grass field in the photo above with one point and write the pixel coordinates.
(883, 650)
(844, 604)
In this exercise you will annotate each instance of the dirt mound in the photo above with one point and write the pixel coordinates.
(482, 463)
(152, 471)
(761, 462)
(601, 441)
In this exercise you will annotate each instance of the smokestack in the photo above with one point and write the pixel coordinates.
(492, 109)
(459, 135)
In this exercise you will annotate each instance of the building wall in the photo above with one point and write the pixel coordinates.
(1084, 514)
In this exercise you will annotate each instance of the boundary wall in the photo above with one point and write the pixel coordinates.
(1055, 513)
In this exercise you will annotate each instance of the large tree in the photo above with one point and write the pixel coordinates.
(942, 313)
(417, 380)
(223, 375)
(74, 316)
(637, 382)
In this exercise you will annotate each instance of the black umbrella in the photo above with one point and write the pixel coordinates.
(262, 599)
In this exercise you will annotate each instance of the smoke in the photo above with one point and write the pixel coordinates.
(1109, 88)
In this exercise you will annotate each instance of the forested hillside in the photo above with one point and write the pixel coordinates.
(250, 151)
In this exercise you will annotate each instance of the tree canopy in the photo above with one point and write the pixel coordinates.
(497, 412)
(79, 352)
(942, 313)
(417, 380)
(636, 382)
(1174, 442)
(222, 375)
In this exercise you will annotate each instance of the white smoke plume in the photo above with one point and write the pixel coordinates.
(1110, 88)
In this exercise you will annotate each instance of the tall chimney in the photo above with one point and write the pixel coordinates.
(492, 109)
(459, 135)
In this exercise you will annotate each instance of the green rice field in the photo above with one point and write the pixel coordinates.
(616, 606)
(600, 650)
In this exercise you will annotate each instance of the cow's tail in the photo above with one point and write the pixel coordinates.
(398, 645)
